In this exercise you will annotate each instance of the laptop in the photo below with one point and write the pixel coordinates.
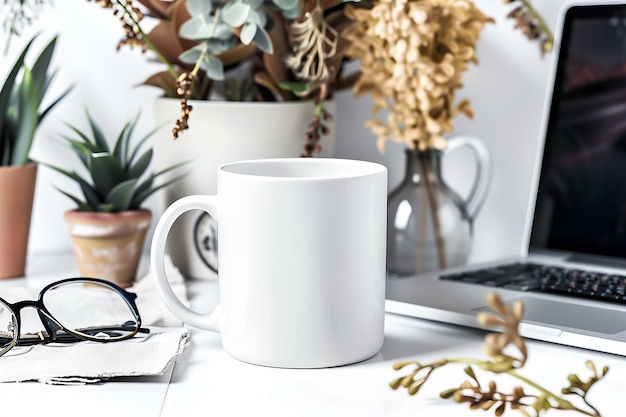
(572, 275)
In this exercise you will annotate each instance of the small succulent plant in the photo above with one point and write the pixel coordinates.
(21, 96)
(118, 178)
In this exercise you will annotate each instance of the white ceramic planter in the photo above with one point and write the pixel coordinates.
(219, 133)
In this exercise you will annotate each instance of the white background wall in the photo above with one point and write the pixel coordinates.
(506, 90)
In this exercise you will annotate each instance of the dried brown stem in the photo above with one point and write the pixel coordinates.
(434, 206)
(423, 218)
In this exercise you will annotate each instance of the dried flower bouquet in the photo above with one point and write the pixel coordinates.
(413, 54)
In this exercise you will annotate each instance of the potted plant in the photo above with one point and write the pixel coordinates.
(109, 225)
(263, 51)
(21, 112)
(259, 76)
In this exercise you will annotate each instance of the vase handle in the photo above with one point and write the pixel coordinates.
(480, 187)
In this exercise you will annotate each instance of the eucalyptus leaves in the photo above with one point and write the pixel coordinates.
(214, 25)
(218, 26)
(500, 362)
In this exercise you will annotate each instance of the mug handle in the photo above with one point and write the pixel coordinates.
(478, 193)
(209, 204)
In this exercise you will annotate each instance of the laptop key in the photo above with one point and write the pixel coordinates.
(528, 284)
(505, 280)
(473, 279)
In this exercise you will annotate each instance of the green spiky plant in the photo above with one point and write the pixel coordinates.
(118, 178)
(21, 99)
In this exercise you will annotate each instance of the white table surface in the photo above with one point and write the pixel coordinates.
(206, 381)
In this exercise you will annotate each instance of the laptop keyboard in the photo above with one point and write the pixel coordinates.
(548, 279)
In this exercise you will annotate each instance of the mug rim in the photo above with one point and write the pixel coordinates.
(345, 168)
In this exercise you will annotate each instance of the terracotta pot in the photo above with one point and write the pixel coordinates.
(17, 189)
(108, 245)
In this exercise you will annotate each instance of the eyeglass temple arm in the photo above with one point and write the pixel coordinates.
(41, 338)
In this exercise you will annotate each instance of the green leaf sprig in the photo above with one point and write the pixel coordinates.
(479, 397)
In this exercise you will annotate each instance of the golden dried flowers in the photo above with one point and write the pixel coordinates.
(413, 54)
(509, 319)
(501, 361)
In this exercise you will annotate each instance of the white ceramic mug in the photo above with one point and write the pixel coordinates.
(302, 245)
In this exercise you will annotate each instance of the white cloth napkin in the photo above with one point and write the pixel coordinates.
(88, 362)
(85, 362)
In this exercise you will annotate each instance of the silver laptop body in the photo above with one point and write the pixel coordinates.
(578, 211)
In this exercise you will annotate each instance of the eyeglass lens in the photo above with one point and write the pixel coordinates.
(8, 328)
(91, 309)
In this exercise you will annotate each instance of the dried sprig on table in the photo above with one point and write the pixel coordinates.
(413, 54)
(500, 362)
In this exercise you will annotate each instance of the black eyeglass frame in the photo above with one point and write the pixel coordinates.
(52, 325)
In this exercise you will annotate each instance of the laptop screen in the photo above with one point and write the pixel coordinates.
(581, 201)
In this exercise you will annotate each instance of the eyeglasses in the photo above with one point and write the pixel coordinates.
(72, 310)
